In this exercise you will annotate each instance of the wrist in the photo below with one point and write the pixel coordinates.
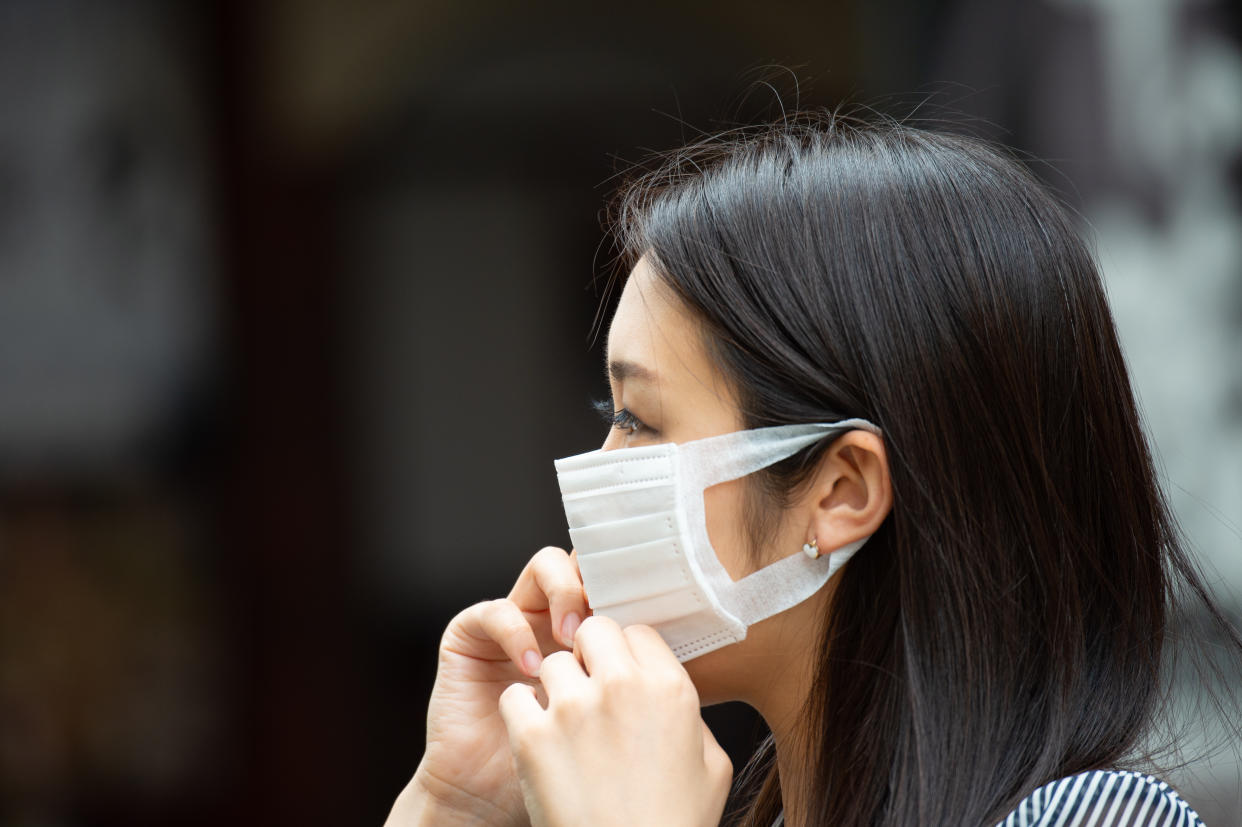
(427, 801)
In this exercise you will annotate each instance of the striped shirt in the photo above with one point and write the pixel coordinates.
(1100, 798)
(1104, 798)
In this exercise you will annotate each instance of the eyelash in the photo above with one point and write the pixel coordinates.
(622, 420)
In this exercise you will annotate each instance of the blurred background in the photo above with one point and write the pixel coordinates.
(295, 312)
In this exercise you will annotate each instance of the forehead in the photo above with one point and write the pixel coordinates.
(653, 330)
(650, 324)
(638, 311)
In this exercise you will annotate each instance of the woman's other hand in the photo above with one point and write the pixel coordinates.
(621, 741)
(466, 775)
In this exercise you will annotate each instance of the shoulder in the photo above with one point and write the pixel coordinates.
(1104, 798)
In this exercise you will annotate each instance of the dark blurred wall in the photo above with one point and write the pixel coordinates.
(114, 658)
(297, 302)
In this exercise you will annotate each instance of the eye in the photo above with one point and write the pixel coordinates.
(622, 420)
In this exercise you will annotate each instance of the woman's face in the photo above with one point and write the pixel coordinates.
(666, 388)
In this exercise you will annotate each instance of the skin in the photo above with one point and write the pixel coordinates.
(539, 716)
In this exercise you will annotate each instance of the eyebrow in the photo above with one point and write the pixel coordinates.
(621, 370)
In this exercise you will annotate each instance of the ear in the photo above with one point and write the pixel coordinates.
(851, 493)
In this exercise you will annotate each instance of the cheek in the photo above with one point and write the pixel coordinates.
(724, 505)
(714, 676)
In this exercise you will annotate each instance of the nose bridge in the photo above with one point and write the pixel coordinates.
(614, 440)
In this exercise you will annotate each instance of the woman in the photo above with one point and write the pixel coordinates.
(866, 343)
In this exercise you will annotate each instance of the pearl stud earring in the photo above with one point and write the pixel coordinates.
(811, 549)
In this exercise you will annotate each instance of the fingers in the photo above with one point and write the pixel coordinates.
(518, 709)
(649, 648)
(562, 676)
(602, 647)
(550, 582)
(502, 621)
(657, 660)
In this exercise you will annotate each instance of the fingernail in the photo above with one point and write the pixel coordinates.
(531, 662)
(570, 625)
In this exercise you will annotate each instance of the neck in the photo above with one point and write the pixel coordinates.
(773, 670)
(789, 735)
(781, 700)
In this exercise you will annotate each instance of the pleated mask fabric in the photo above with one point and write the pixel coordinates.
(637, 520)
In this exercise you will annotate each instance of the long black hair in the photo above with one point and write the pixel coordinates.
(1005, 625)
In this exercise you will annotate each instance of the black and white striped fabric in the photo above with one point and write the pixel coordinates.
(1104, 798)
(1101, 798)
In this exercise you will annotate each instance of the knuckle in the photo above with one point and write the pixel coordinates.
(681, 694)
(480, 606)
(674, 691)
(571, 707)
(564, 592)
(495, 607)
(506, 618)
(509, 699)
(596, 623)
(617, 684)
(559, 656)
(476, 612)
(463, 617)
(522, 740)
(560, 661)
(549, 554)
(671, 684)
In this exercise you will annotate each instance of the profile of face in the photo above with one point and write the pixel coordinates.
(667, 388)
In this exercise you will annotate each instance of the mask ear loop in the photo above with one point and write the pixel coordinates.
(787, 582)
(717, 459)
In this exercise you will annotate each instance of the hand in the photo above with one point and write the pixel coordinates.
(466, 775)
(621, 741)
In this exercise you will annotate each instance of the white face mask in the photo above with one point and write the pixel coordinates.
(637, 521)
